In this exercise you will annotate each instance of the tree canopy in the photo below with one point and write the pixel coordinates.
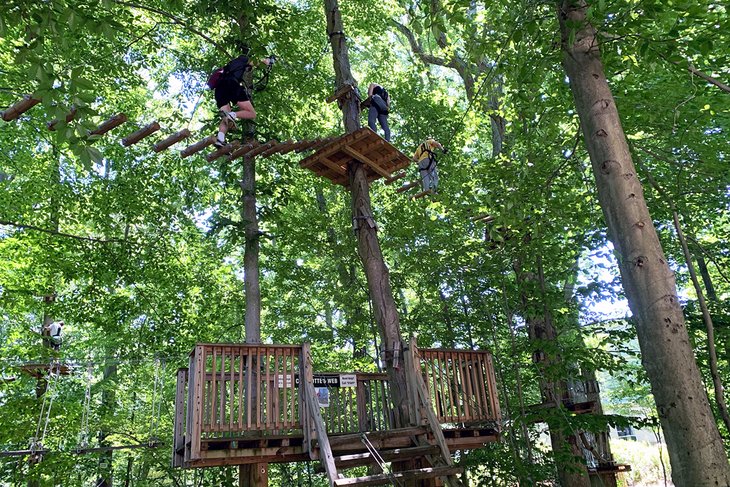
(141, 253)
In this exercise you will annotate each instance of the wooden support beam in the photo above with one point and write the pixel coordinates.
(395, 177)
(366, 103)
(176, 137)
(222, 151)
(289, 148)
(423, 193)
(346, 140)
(336, 168)
(140, 134)
(408, 186)
(241, 151)
(344, 90)
(258, 150)
(365, 160)
(14, 111)
(113, 122)
(197, 147)
(69, 116)
(279, 147)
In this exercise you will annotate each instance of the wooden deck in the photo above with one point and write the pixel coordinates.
(239, 404)
(380, 158)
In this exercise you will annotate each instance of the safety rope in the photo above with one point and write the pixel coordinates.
(379, 459)
(48, 396)
(84, 431)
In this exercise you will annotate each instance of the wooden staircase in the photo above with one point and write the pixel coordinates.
(414, 460)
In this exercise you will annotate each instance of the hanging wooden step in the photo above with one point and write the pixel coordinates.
(380, 158)
(343, 91)
(174, 138)
(140, 134)
(243, 150)
(14, 111)
(222, 151)
(69, 116)
(110, 124)
(197, 146)
(408, 475)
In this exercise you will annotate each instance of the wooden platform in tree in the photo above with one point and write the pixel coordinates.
(380, 158)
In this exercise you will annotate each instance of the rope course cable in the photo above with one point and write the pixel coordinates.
(84, 431)
(379, 459)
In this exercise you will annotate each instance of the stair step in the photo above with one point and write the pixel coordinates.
(383, 478)
(357, 459)
(381, 440)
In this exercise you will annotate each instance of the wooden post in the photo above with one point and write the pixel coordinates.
(253, 475)
(176, 137)
(113, 122)
(19, 108)
(140, 134)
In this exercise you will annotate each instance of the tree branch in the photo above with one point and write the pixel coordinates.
(175, 20)
(60, 234)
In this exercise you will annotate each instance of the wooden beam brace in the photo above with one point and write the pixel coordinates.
(336, 168)
(140, 134)
(226, 149)
(14, 111)
(113, 122)
(176, 137)
(366, 160)
(344, 90)
(241, 151)
(197, 147)
(69, 116)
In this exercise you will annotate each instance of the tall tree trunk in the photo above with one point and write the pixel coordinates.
(376, 272)
(695, 447)
(108, 406)
(552, 390)
(251, 252)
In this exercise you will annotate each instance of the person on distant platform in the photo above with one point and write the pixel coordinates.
(379, 109)
(230, 90)
(53, 332)
(426, 158)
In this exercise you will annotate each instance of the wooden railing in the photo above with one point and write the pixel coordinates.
(238, 391)
(461, 384)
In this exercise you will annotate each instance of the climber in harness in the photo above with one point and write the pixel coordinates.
(427, 161)
(379, 109)
(53, 332)
(230, 90)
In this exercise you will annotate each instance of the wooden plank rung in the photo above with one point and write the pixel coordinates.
(140, 134)
(174, 138)
(16, 110)
(113, 122)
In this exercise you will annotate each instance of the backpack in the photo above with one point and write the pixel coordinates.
(214, 78)
(236, 68)
(384, 95)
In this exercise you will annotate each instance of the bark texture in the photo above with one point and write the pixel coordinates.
(376, 272)
(251, 286)
(695, 448)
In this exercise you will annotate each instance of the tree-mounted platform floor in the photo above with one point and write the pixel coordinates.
(248, 404)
